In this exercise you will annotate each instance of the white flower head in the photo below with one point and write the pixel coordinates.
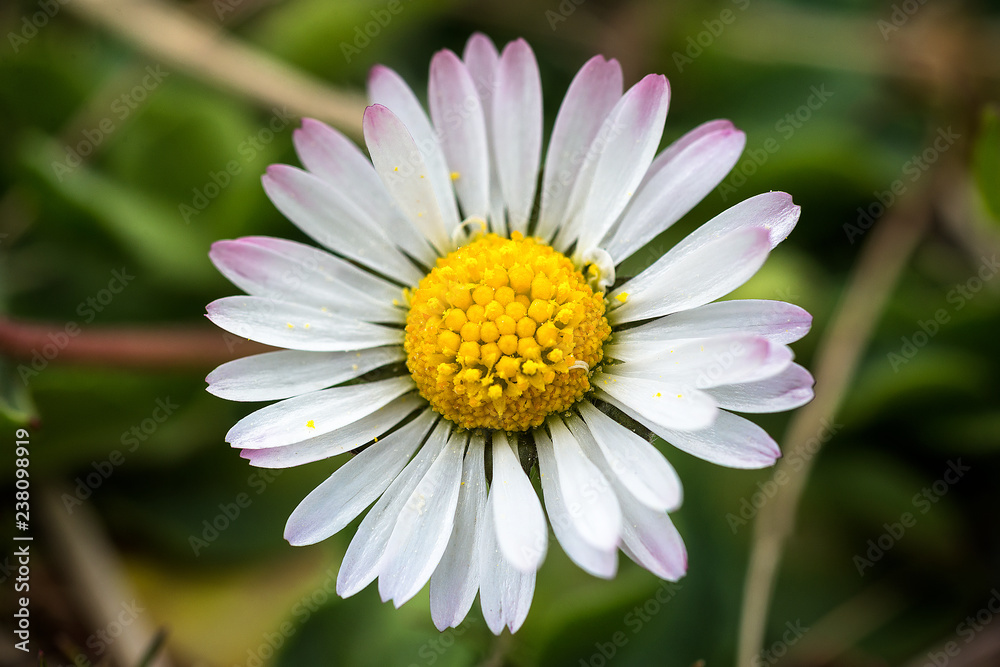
(453, 328)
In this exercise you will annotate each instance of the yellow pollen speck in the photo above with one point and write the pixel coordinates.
(658, 394)
(376, 440)
(289, 325)
(311, 424)
(496, 327)
(622, 297)
(395, 168)
(680, 395)
(306, 326)
(454, 175)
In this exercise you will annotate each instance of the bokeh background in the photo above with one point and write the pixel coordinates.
(135, 133)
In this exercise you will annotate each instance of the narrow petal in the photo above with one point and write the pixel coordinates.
(458, 118)
(792, 388)
(679, 178)
(639, 466)
(260, 271)
(400, 164)
(264, 266)
(423, 527)
(636, 125)
(350, 437)
(702, 363)
(521, 530)
(517, 130)
(455, 582)
(276, 375)
(297, 327)
(598, 562)
(775, 320)
(652, 541)
(336, 221)
(730, 441)
(309, 415)
(687, 277)
(338, 161)
(355, 485)
(482, 60)
(504, 591)
(366, 552)
(592, 94)
(581, 484)
(676, 406)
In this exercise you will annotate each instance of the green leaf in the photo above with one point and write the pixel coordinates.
(16, 403)
(986, 160)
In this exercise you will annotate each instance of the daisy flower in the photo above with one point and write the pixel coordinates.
(453, 335)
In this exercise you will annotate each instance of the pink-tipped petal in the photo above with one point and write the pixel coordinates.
(517, 130)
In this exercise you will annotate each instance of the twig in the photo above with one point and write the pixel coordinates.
(204, 51)
(128, 347)
(882, 260)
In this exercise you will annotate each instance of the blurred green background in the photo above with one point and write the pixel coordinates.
(111, 142)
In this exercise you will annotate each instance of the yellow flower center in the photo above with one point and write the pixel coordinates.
(503, 332)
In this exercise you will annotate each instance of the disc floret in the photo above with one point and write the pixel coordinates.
(503, 332)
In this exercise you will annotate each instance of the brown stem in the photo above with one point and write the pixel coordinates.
(123, 347)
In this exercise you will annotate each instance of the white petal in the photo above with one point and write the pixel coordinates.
(458, 118)
(297, 327)
(598, 562)
(261, 271)
(678, 406)
(585, 491)
(651, 540)
(639, 466)
(388, 89)
(679, 178)
(275, 375)
(639, 118)
(504, 591)
(338, 161)
(787, 390)
(316, 413)
(356, 484)
(366, 552)
(592, 94)
(423, 527)
(455, 582)
(517, 130)
(334, 219)
(482, 59)
(731, 441)
(521, 531)
(256, 263)
(776, 320)
(345, 439)
(690, 276)
(401, 166)
(702, 362)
